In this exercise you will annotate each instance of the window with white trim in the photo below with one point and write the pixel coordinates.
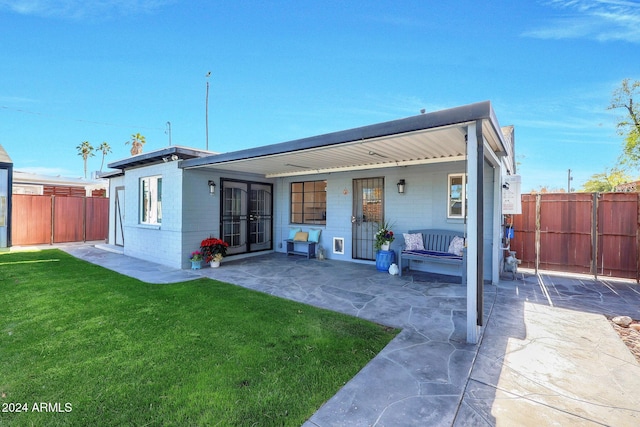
(151, 200)
(457, 196)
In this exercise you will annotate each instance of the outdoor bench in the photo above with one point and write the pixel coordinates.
(302, 238)
(436, 245)
(310, 248)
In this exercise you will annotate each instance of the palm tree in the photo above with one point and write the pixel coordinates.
(106, 149)
(85, 150)
(137, 141)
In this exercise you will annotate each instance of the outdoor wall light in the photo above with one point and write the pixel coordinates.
(401, 184)
(212, 188)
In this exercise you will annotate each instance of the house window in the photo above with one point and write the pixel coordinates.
(309, 202)
(457, 196)
(151, 200)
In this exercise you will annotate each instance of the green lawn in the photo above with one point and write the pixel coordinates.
(99, 348)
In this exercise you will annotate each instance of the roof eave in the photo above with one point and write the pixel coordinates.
(158, 156)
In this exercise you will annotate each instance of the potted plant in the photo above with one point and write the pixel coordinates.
(213, 250)
(384, 257)
(384, 236)
(196, 260)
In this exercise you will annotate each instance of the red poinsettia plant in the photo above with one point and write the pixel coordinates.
(213, 249)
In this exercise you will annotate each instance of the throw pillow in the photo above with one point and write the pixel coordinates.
(314, 235)
(301, 236)
(413, 242)
(293, 231)
(456, 246)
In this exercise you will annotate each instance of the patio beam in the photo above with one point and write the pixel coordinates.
(367, 166)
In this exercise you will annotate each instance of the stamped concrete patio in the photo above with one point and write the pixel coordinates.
(548, 356)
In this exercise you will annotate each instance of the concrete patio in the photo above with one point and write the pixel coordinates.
(547, 356)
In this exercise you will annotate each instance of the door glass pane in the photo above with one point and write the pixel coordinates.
(246, 216)
(232, 217)
(260, 217)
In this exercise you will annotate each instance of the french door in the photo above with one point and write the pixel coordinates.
(246, 219)
(368, 214)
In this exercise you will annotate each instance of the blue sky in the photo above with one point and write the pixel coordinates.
(75, 70)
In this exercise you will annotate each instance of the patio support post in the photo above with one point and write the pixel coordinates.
(475, 222)
(497, 225)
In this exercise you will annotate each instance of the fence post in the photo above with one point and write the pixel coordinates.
(594, 235)
(84, 219)
(638, 239)
(53, 218)
(537, 238)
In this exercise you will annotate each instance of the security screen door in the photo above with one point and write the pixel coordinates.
(246, 216)
(368, 214)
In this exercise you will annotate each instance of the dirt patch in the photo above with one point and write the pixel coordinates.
(630, 337)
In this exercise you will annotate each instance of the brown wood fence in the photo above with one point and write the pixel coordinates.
(589, 233)
(40, 220)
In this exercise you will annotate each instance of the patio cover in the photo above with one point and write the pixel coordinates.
(468, 133)
(427, 138)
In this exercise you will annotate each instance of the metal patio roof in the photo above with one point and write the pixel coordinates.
(434, 137)
(427, 138)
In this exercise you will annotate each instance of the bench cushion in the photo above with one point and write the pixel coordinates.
(456, 246)
(314, 235)
(413, 241)
(301, 236)
(293, 231)
(433, 254)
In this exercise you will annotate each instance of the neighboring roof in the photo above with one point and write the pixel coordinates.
(426, 138)
(628, 187)
(20, 177)
(163, 155)
(4, 157)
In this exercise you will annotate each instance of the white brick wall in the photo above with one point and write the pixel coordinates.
(158, 243)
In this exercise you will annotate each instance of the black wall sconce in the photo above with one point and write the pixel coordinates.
(212, 188)
(401, 185)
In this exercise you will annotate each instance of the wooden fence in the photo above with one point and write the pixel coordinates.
(40, 220)
(589, 233)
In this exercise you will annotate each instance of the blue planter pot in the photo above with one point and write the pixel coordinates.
(195, 265)
(384, 259)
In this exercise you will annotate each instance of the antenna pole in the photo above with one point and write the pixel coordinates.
(206, 119)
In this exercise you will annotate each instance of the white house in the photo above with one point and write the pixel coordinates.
(452, 163)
